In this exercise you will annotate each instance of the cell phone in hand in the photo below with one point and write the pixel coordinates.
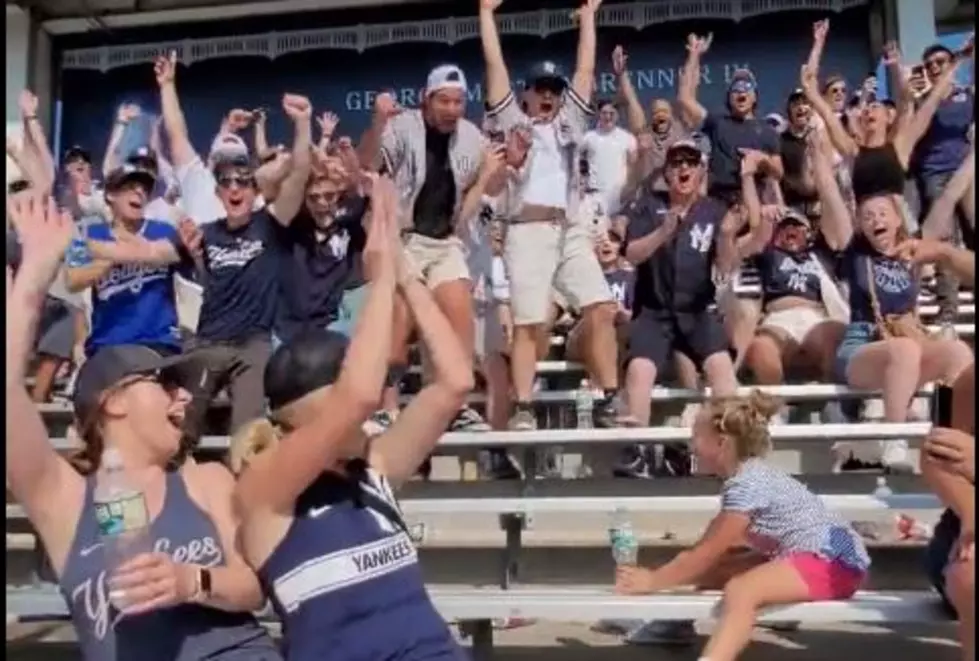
(941, 406)
(497, 137)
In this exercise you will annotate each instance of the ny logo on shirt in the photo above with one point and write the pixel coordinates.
(701, 237)
(339, 243)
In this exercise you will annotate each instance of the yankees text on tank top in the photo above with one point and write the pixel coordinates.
(188, 632)
(345, 578)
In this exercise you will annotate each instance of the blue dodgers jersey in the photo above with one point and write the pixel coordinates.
(132, 303)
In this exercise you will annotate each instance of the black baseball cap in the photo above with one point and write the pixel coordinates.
(309, 361)
(223, 163)
(143, 157)
(129, 172)
(76, 153)
(546, 72)
(798, 94)
(112, 364)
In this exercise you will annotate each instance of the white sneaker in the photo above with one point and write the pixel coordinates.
(896, 458)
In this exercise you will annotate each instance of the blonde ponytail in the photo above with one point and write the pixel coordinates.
(249, 441)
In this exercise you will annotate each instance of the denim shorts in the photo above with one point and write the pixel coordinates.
(856, 335)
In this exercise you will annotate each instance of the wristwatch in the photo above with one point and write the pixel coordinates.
(203, 584)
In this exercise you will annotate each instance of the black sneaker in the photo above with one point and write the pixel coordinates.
(468, 420)
(499, 466)
(632, 463)
(604, 414)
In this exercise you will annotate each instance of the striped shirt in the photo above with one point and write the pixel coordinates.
(568, 128)
(786, 518)
(403, 153)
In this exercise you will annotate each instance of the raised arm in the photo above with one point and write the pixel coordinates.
(398, 452)
(583, 80)
(760, 228)
(820, 32)
(126, 113)
(36, 152)
(181, 150)
(497, 76)
(635, 115)
(293, 187)
(908, 136)
(939, 223)
(380, 145)
(836, 223)
(691, 112)
(39, 478)
(290, 467)
(842, 140)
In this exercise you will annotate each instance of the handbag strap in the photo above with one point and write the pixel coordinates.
(874, 301)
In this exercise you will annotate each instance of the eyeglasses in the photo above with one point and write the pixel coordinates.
(242, 181)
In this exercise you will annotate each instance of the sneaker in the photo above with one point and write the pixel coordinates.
(632, 464)
(604, 414)
(663, 632)
(468, 420)
(379, 422)
(500, 466)
(523, 420)
(896, 458)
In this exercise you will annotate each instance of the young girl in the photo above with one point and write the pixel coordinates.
(807, 552)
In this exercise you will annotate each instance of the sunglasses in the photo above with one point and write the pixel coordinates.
(677, 161)
(837, 89)
(938, 61)
(553, 87)
(315, 198)
(240, 180)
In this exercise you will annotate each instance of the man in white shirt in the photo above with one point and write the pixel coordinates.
(610, 151)
(546, 247)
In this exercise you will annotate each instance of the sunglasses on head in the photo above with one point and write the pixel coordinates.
(240, 180)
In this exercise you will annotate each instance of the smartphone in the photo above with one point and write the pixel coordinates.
(497, 137)
(941, 406)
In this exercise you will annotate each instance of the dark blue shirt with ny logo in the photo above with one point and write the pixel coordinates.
(895, 283)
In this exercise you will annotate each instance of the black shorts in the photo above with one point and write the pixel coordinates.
(56, 329)
(945, 535)
(655, 335)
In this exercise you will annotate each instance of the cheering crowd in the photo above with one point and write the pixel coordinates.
(320, 265)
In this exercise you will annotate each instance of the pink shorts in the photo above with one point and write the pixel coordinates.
(827, 579)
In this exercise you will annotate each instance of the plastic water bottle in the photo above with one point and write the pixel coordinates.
(625, 546)
(122, 517)
(882, 491)
(583, 405)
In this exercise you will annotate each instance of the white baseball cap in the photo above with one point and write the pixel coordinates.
(444, 77)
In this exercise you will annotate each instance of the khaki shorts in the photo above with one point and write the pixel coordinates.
(543, 256)
(437, 261)
(794, 322)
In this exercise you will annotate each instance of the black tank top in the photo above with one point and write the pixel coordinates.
(877, 170)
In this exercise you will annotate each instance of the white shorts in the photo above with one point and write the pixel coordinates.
(794, 322)
(543, 256)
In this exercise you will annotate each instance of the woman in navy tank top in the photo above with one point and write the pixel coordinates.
(320, 523)
(192, 597)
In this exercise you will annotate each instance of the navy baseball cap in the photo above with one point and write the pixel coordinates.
(143, 157)
(113, 364)
(545, 72)
(309, 361)
(223, 163)
(129, 172)
(76, 153)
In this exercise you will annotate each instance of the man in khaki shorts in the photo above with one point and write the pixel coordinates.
(546, 245)
(435, 157)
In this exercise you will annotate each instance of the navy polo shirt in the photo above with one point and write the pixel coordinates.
(319, 266)
(241, 286)
(727, 135)
(678, 276)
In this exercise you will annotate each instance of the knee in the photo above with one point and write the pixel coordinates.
(960, 584)
(762, 349)
(739, 596)
(641, 372)
(601, 313)
(904, 351)
(959, 357)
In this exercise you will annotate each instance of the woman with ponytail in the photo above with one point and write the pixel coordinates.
(191, 596)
